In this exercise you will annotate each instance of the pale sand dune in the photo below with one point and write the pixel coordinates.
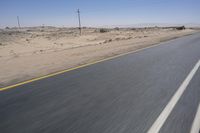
(34, 52)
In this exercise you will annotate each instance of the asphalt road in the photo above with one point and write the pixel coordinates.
(122, 95)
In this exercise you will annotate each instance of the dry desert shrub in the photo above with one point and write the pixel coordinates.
(180, 28)
(107, 41)
(116, 28)
(102, 30)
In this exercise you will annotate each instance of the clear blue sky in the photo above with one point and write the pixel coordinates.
(98, 12)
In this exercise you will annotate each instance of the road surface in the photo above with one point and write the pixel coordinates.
(127, 94)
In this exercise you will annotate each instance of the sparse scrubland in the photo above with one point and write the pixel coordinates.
(31, 52)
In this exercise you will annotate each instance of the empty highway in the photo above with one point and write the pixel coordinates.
(152, 90)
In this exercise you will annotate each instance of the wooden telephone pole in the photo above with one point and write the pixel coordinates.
(79, 20)
(18, 22)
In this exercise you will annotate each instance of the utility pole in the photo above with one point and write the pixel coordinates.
(18, 22)
(79, 20)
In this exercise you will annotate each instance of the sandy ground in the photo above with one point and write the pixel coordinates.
(37, 51)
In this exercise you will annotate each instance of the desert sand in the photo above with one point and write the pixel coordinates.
(31, 52)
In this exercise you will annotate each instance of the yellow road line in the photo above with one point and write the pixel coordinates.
(71, 69)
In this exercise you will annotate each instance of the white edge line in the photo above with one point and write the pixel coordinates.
(155, 128)
(196, 123)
